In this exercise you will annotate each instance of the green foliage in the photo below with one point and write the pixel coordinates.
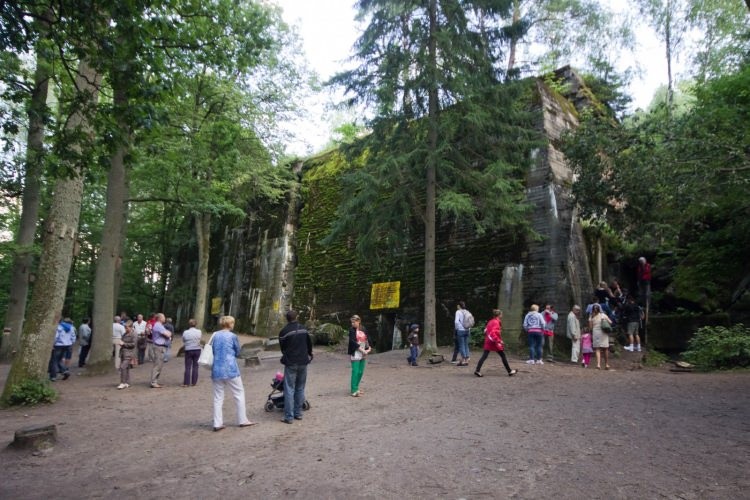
(676, 182)
(718, 347)
(31, 392)
(654, 358)
(476, 335)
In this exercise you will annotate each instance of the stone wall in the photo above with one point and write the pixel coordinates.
(288, 266)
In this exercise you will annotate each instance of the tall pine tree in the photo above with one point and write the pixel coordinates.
(428, 74)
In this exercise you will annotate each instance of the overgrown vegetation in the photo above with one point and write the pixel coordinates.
(31, 392)
(674, 181)
(654, 358)
(717, 348)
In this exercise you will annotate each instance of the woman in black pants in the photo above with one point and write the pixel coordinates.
(493, 341)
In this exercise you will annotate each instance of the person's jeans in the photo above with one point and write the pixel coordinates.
(535, 346)
(413, 354)
(295, 377)
(191, 367)
(358, 369)
(463, 343)
(141, 355)
(58, 361)
(83, 354)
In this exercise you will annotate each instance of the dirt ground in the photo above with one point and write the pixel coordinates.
(433, 431)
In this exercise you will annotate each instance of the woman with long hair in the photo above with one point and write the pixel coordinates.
(358, 350)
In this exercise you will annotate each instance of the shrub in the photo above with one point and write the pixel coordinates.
(654, 358)
(31, 392)
(476, 335)
(717, 347)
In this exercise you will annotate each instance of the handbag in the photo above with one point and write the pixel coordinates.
(206, 359)
(606, 325)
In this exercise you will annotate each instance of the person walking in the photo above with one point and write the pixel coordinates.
(533, 325)
(600, 337)
(413, 345)
(493, 342)
(226, 374)
(118, 330)
(462, 322)
(127, 355)
(84, 332)
(65, 337)
(358, 350)
(574, 332)
(296, 354)
(191, 341)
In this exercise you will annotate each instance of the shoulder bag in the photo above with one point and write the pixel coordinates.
(206, 359)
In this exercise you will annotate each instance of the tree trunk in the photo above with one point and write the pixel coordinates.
(105, 300)
(23, 260)
(514, 38)
(430, 322)
(668, 41)
(203, 235)
(57, 254)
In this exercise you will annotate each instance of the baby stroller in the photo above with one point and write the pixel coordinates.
(276, 397)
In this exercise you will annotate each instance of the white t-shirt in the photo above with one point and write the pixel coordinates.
(117, 331)
(139, 328)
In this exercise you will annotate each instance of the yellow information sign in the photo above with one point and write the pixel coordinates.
(385, 295)
(216, 305)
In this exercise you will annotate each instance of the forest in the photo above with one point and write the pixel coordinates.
(134, 133)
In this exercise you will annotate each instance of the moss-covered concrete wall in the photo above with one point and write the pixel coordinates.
(331, 283)
(282, 263)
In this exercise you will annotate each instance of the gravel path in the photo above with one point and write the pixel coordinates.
(433, 431)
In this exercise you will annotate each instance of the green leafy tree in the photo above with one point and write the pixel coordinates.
(676, 183)
(428, 75)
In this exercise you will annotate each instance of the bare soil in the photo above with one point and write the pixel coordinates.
(433, 431)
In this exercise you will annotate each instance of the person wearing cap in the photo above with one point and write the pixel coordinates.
(358, 350)
(574, 332)
(413, 344)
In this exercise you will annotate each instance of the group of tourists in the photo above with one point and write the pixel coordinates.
(134, 342)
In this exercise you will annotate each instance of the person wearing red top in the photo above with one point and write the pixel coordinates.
(644, 279)
(493, 342)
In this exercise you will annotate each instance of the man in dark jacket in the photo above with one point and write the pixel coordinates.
(296, 354)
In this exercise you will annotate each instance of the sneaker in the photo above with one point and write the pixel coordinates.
(127, 385)
(530, 362)
(638, 348)
(454, 362)
(628, 348)
(66, 375)
(121, 386)
(539, 362)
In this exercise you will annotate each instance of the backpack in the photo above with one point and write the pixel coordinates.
(468, 320)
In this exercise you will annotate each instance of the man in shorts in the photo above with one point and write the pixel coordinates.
(632, 315)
